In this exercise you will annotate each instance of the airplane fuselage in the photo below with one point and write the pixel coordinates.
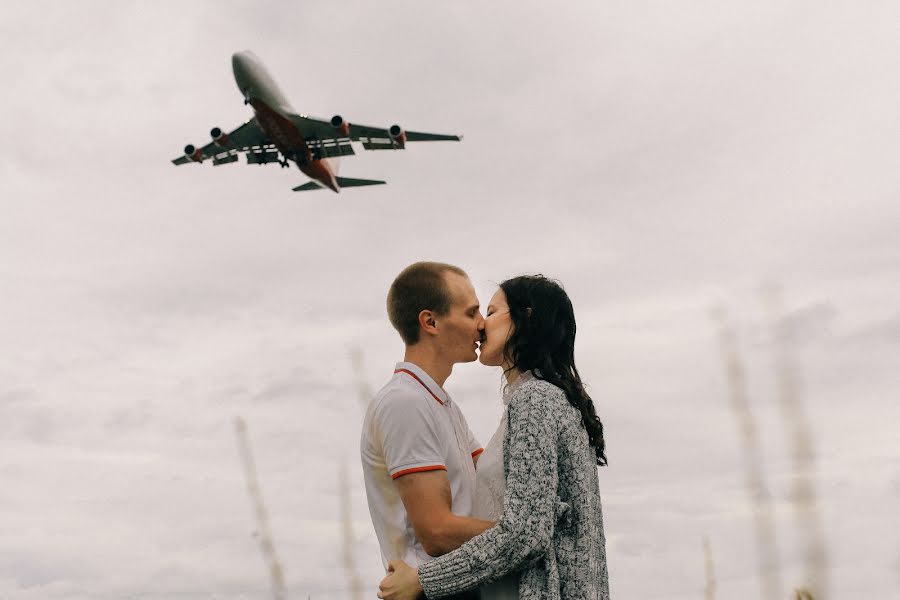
(272, 112)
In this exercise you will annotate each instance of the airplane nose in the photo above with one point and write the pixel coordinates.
(240, 64)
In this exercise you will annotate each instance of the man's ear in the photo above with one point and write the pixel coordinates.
(427, 322)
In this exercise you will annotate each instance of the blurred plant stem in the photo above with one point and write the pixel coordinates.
(710, 589)
(356, 592)
(266, 542)
(803, 493)
(764, 526)
(364, 391)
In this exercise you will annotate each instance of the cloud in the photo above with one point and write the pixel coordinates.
(886, 331)
(658, 160)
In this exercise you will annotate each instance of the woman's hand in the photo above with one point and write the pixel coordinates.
(402, 582)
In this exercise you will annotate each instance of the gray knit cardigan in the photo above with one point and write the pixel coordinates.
(552, 524)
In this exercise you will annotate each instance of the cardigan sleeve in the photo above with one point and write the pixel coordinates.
(525, 531)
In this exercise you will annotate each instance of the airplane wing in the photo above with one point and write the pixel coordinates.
(249, 137)
(329, 148)
(375, 138)
(372, 138)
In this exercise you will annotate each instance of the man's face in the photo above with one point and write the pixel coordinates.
(461, 327)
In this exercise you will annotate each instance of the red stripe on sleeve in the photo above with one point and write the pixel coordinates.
(418, 470)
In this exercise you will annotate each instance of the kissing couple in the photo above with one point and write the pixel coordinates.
(519, 518)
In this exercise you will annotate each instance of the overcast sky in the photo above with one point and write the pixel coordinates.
(661, 159)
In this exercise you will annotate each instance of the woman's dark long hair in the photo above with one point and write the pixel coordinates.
(543, 342)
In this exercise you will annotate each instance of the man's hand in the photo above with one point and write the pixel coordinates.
(402, 582)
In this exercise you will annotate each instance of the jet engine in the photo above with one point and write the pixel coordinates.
(343, 127)
(398, 135)
(220, 137)
(193, 153)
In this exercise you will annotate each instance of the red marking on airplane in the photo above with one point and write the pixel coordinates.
(287, 138)
(223, 141)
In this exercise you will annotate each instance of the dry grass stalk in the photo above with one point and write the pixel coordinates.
(710, 589)
(364, 391)
(764, 529)
(365, 394)
(396, 543)
(803, 493)
(266, 542)
(802, 594)
(356, 591)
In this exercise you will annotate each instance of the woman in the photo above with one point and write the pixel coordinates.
(548, 542)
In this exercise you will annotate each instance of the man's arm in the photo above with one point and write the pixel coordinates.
(525, 532)
(427, 499)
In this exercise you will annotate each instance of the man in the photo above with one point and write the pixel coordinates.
(418, 453)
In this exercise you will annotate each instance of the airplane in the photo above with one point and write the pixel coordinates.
(278, 134)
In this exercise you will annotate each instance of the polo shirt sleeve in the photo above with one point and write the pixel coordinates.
(409, 435)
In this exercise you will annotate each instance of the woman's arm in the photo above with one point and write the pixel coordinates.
(525, 531)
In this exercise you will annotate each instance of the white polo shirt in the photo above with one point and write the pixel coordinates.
(411, 426)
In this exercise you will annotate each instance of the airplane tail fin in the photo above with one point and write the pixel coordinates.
(342, 182)
(309, 185)
(348, 182)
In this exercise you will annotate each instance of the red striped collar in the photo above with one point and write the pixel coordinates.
(401, 369)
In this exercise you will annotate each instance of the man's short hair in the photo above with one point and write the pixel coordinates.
(420, 286)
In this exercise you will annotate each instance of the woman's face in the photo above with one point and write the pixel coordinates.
(498, 327)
